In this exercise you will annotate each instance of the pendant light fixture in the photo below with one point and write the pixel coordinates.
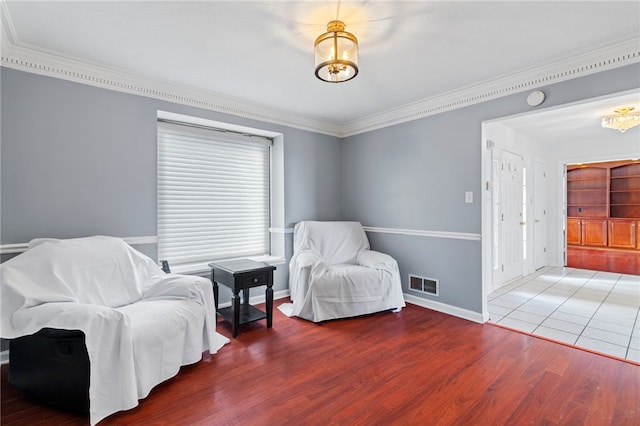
(622, 120)
(336, 53)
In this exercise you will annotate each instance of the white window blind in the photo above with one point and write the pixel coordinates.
(213, 195)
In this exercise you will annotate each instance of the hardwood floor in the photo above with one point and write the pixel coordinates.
(415, 367)
(607, 260)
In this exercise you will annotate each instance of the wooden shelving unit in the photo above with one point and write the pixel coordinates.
(603, 210)
(587, 192)
(625, 191)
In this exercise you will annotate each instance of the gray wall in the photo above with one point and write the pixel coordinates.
(312, 177)
(78, 160)
(414, 176)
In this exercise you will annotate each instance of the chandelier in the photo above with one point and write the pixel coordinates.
(336, 54)
(622, 120)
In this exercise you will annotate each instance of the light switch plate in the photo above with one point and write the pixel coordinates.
(468, 197)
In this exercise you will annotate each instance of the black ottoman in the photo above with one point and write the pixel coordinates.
(52, 365)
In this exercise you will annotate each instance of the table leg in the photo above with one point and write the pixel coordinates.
(235, 324)
(215, 294)
(269, 306)
(245, 296)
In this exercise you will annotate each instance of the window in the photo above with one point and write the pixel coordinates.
(213, 195)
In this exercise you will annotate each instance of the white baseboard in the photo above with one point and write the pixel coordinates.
(444, 308)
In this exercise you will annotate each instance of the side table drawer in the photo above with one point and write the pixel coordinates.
(254, 280)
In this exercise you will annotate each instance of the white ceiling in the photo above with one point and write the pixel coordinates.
(580, 121)
(262, 51)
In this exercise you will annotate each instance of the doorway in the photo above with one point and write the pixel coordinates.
(514, 207)
(546, 140)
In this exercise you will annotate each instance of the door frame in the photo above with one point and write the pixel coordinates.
(488, 154)
(539, 233)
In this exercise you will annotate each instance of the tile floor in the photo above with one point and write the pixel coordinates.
(594, 310)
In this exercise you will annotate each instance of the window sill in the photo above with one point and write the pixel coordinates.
(203, 269)
(271, 260)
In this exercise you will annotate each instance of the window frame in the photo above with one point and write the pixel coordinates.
(276, 229)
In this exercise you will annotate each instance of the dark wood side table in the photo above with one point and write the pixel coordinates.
(243, 275)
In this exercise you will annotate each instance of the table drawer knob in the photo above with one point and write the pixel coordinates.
(255, 280)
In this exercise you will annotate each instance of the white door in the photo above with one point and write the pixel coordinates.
(539, 215)
(511, 218)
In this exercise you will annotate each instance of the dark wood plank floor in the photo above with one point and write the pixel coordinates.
(608, 260)
(416, 367)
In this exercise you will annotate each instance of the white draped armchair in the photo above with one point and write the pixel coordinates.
(334, 274)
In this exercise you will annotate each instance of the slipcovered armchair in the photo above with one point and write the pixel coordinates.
(139, 325)
(334, 274)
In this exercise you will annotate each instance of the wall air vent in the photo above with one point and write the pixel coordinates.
(424, 285)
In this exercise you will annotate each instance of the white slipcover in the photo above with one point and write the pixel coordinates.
(140, 324)
(334, 274)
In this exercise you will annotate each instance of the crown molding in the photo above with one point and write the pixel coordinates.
(34, 60)
(616, 55)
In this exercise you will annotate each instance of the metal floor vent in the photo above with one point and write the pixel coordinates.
(424, 285)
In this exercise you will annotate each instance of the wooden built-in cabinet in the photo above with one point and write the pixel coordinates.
(623, 234)
(574, 231)
(615, 233)
(603, 207)
(594, 232)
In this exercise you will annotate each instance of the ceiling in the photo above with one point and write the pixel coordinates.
(579, 121)
(261, 52)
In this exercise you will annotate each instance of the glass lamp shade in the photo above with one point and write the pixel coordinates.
(336, 53)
